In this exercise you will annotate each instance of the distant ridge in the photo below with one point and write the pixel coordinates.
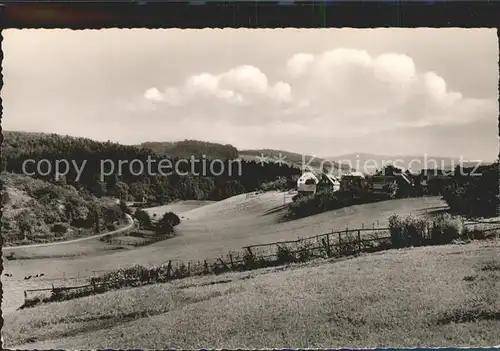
(371, 162)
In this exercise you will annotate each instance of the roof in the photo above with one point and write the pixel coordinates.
(331, 178)
(354, 174)
(307, 175)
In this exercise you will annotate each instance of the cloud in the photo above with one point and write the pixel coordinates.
(153, 94)
(326, 94)
(242, 85)
(350, 87)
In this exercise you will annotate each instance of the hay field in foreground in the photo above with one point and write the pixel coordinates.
(211, 231)
(430, 296)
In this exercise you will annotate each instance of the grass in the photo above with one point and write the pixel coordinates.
(211, 231)
(429, 300)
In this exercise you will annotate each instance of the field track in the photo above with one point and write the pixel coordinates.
(208, 231)
(92, 237)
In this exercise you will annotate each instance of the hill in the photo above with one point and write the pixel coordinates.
(134, 173)
(371, 162)
(206, 232)
(291, 158)
(187, 148)
(36, 211)
(445, 295)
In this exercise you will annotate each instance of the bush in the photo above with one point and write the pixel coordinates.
(407, 232)
(445, 229)
(280, 184)
(167, 223)
(143, 219)
(285, 255)
(474, 196)
(59, 228)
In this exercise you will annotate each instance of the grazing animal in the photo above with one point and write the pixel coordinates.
(28, 277)
(8, 274)
(41, 274)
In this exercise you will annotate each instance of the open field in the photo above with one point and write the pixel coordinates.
(211, 231)
(445, 295)
(178, 207)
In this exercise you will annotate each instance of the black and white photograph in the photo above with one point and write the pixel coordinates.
(250, 188)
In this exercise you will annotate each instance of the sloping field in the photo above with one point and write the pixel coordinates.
(211, 231)
(178, 207)
(432, 296)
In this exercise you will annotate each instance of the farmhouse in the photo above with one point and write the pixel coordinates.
(352, 180)
(392, 181)
(306, 184)
(328, 182)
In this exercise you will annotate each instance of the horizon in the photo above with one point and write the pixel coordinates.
(335, 158)
(312, 91)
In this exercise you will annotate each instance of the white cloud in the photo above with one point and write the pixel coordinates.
(153, 94)
(242, 85)
(327, 94)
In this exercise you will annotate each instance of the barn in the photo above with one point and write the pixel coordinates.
(306, 184)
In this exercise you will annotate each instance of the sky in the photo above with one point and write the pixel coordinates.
(323, 92)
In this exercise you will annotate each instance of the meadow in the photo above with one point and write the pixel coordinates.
(429, 296)
(210, 231)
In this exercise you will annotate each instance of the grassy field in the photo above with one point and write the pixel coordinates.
(211, 231)
(432, 296)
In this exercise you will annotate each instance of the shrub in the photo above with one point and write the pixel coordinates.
(285, 255)
(143, 219)
(305, 251)
(124, 208)
(445, 229)
(348, 245)
(409, 231)
(414, 231)
(167, 223)
(59, 228)
(280, 184)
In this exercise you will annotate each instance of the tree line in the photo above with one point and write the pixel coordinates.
(200, 183)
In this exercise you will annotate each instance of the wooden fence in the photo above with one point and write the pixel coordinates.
(333, 244)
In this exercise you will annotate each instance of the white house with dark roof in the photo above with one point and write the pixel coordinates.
(307, 183)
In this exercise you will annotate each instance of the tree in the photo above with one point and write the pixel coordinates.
(167, 223)
(26, 223)
(124, 207)
(143, 219)
(121, 190)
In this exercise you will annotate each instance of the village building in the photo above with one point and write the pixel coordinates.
(352, 181)
(306, 184)
(328, 182)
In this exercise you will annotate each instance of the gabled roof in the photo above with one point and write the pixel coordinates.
(307, 175)
(354, 174)
(331, 178)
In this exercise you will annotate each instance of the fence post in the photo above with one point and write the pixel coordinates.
(169, 268)
(340, 241)
(223, 263)
(206, 267)
(189, 268)
(328, 244)
(231, 260)
(327, 247)
(359, 240)
(373, 225)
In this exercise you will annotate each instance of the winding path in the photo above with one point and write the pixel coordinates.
(117, 231)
